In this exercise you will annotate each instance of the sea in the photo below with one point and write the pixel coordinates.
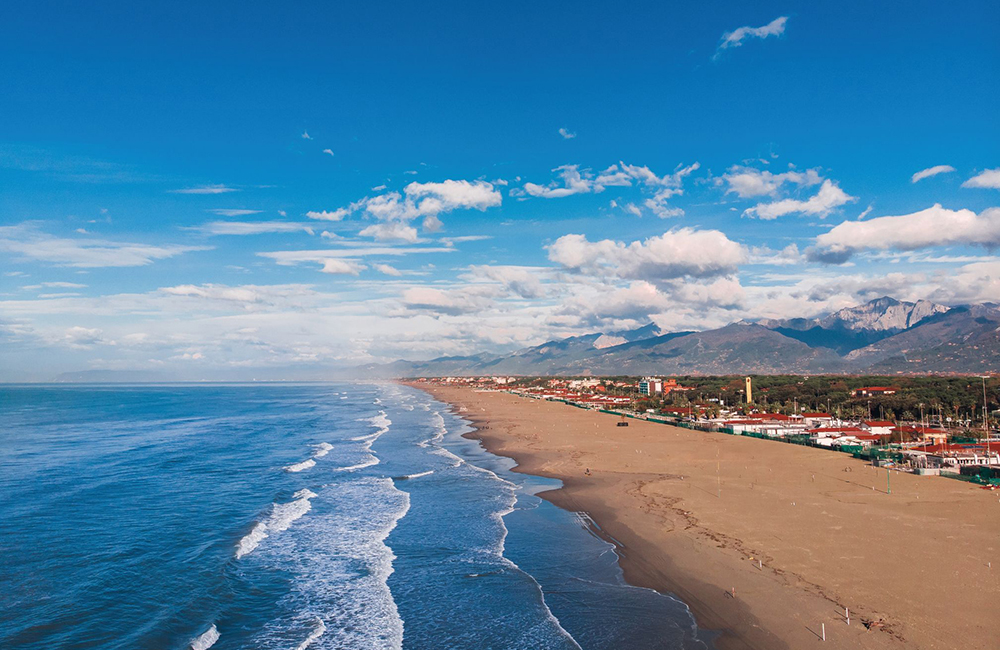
(293, 516)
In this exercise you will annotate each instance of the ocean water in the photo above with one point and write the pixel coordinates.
(347, 516)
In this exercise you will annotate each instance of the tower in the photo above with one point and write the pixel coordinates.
(749, 391)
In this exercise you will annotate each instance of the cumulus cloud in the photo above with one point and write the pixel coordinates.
(736, 37)
(424, 201)
(989, 179)
(391, 232)
(85, 337)
(386, 269)
(566, 133)
(30, 243)
(931, 171)
(674, 254)
(206, 189)
(748, 182)
(573, 183)
(829, 197)
(935, 226)
(342, 267)
(328, 215)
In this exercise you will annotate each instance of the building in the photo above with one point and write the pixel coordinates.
(878, 427)
(749, 391)
(817, 419)
(873, 391)
(651, 386)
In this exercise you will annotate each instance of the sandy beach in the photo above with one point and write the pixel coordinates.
(767, 543)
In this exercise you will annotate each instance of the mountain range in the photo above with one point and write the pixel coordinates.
(882, 336)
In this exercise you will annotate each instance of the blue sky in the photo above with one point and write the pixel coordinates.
(486, 177)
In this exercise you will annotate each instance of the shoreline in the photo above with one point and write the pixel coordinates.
(699, 531)
(635, 570)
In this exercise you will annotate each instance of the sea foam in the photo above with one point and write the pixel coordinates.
(318, 629)
(322, 449)
(282, 516)
(298, 467)
(340, 566)
(205, 640)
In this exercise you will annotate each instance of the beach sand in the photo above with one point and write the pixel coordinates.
(695, 512)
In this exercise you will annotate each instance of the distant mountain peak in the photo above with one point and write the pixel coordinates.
(883, 314)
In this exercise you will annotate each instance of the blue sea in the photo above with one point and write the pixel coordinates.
(347, 516)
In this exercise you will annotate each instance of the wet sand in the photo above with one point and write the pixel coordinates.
(766, 542)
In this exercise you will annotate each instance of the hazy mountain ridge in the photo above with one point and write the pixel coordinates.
(885, 335)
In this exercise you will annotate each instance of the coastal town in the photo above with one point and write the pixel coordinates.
(928, 442)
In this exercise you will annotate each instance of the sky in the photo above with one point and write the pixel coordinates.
(233, 190)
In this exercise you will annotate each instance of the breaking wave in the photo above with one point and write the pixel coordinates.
(298, 467)
(205, 640)
(282, 516)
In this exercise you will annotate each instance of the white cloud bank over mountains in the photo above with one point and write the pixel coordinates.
(379, 295)
(936, 226)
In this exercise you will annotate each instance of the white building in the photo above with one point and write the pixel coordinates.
(651, 386)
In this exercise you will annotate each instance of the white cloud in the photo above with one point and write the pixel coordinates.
(935, 226)
(386, 269)
(989, 179)
(328, 152)
(424, 201)
(349, 255)
(747, 182)
(233, 212)
(84, 337)
(464, 300)
(674, 254)
(522, 281)
(247, 297)
(566, 133)
(30, 243)
(306, 136)
(252, 227)
(435, 198)
(342, 267)
(54, 285)
(206, 189)
(830, 196)
(573, 183)
(327, 215)
(451, 241)
(391, 232)
(736, 37)
(931, 171)
(788, 256)
(577, 181)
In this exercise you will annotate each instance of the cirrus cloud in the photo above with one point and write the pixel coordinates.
(931, 171)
